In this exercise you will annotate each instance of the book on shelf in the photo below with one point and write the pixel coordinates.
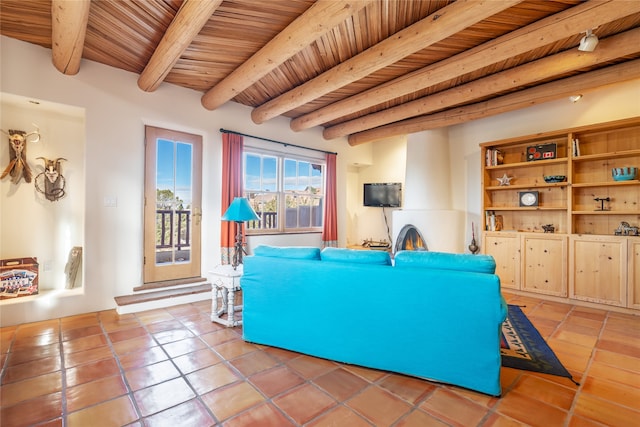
(493, 222)
(490, 221)
(493, 157)
(575, 146)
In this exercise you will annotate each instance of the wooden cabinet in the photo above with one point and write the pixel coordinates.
(598, 266)
(505, 249)
(544, 261)
(582, 256)
(633, 277)
(529, 261)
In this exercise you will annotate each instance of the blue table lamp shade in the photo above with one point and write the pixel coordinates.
(239, 211)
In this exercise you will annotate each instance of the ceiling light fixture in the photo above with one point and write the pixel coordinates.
(575, 98)
(588, 42)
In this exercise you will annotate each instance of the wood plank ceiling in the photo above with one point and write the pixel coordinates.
(365, 69)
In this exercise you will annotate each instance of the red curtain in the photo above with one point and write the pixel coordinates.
(330, 230)
(232, 145)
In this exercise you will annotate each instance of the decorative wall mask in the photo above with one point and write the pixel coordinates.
(18, 166)
(51, 182)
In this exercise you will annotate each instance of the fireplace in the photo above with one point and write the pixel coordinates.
(410, 239)
(444, 228)
(428, 202)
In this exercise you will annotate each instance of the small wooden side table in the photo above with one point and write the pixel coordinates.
(225, 281)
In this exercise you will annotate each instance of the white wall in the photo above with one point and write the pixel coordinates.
(428, 183)
(613, 102)
(116, 112)
(388, 160)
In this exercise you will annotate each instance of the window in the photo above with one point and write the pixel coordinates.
(287, 192)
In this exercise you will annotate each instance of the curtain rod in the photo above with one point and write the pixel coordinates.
(286, 144)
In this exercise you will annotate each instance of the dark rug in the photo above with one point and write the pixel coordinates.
(522, 347)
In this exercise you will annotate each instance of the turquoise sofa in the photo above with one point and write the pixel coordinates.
(431, 315)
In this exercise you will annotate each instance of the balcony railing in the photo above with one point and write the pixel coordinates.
(269, 221)
(166, 229)
(172, 234)
(299, 217)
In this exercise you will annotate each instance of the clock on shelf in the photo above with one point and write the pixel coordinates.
(528, 198)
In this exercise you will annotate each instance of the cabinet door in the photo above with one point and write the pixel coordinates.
(544, 259)
(505, 249)
(633, 280)
(598, 269)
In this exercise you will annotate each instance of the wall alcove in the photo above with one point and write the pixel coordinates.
(31, 225)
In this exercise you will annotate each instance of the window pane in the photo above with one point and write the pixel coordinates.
(317, 179)
(184, 179)
(304, 176)
(291, 212)
(316, 213)
(270, 173)
(290, 174)
(174, 182)
(266, 206)
(252, 172)
(183, 186)
(302, 212)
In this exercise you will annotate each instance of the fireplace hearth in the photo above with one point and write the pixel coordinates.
(410, 239)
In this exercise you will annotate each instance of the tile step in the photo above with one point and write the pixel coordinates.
(163, 298)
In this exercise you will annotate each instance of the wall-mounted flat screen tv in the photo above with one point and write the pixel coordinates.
(385, 195)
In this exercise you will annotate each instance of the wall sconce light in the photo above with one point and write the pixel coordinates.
(588, 42)
(239, 211)
(575, 98)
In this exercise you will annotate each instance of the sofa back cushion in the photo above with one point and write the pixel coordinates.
(294, 252)
(446, 261)
(355, 256)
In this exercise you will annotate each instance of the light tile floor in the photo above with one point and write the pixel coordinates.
(174, 367)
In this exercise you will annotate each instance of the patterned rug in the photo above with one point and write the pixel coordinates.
(522, 347)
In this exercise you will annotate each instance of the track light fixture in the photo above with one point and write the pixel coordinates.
(588, 42)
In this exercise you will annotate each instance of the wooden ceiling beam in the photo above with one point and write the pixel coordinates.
(432, 29)
(68, 30)
(319, 19)
(548, 67)
(558, 89)
(541, 33)
(185, 26)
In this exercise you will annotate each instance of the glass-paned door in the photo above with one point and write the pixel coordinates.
(173, 178)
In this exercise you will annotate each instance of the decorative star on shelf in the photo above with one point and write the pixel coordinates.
(505, 180)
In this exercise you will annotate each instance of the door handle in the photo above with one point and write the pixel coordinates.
(197, 215)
